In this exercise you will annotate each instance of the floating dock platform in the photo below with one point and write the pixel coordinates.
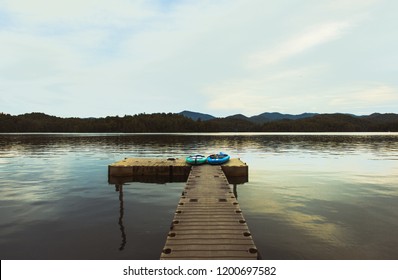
(160, 170)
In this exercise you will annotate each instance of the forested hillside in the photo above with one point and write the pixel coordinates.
(170, 122)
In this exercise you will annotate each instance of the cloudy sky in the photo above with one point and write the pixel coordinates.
(116, 57)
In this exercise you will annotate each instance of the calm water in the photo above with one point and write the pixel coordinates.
(313, 196)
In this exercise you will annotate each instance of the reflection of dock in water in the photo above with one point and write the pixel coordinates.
(119, 188)
(208, 222)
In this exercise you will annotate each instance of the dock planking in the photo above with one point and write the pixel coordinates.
(208, 222)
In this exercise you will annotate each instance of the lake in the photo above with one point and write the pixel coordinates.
(309, 196)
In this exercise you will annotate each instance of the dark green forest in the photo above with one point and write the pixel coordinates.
(171, 122)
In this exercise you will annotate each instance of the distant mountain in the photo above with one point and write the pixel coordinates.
(239, 117)
(235, 123)
(195, 115)
(270, 117)
(262, 118)
(377, 117)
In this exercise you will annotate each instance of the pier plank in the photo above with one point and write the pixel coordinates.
(208, 222)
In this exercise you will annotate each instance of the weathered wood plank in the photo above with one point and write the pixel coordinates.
(208, 222)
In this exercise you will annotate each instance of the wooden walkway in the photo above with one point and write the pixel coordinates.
(208, 222)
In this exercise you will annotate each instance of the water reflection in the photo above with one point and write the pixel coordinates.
(323, 196)
(235, 190)
(119, 188)
(329, 212)
(149, 145)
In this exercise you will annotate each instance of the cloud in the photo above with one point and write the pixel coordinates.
(299, 90)
(352, 5)
(76, 12)
(25, 56)
(133, 55)
(309, 39)
(269, 91)
(380, 96)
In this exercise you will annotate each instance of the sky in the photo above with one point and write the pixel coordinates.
(97, 58)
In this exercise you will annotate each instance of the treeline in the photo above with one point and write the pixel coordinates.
(162, 122)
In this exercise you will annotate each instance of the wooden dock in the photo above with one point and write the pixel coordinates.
(158, 170)
(208, 222)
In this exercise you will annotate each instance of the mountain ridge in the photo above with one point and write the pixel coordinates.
(196, 115)
(261, 118)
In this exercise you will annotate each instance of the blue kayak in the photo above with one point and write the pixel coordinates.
(219, 158)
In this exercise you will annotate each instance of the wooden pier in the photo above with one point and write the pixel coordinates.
(208, 222)
(158, 170)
